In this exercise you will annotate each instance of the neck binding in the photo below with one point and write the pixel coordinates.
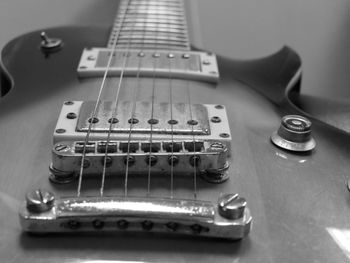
(150, 24)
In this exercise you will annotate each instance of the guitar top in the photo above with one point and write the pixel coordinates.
(127, 144)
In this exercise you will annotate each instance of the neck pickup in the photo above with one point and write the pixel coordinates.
(199, 66)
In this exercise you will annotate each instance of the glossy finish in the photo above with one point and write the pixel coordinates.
(163, 215)
(299, 202)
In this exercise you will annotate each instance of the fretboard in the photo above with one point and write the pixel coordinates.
(150, 24)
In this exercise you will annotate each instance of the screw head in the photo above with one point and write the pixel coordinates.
(60, 130)
(224, 135)
(231, 206)
(206, 62)
(40, 201)
(215, 119)
(141, 54)
(217, 146)
(71, 115)
(192, 122)
(61, 147)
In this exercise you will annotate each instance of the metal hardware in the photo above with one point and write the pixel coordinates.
(39, 201)
(193, 67)
(208, 158)
(294, 134)
(200, 113)
(231, 206)
(204, 130)
(50, 44)
(172, 216)
(215, 119)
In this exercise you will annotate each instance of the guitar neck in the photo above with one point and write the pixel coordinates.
(150, 24)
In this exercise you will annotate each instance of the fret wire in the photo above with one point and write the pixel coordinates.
(152, 37)
(161, 46)
(152, 20)
(157, 25)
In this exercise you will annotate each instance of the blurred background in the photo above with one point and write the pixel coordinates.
(317, 29)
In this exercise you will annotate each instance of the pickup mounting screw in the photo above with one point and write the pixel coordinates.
(71, 115)
(40, 201)
(192, 122)
(231, 206)
(60, 130)
(206, 62)
(215, 119)
(93, 120)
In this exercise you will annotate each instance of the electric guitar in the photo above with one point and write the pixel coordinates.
(128, 144)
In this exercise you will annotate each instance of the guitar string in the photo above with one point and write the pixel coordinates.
(133, 117)
(195, 161)
(155, 64)
(171, 122)
(113, 119)
(97, 104)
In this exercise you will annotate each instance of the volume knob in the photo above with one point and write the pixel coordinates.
(294, 134)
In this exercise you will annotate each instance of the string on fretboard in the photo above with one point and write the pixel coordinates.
(150, 23)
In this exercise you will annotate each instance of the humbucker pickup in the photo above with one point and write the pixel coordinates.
(200, 66)
(200, 145)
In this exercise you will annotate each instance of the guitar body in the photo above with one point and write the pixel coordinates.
(299, 202)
